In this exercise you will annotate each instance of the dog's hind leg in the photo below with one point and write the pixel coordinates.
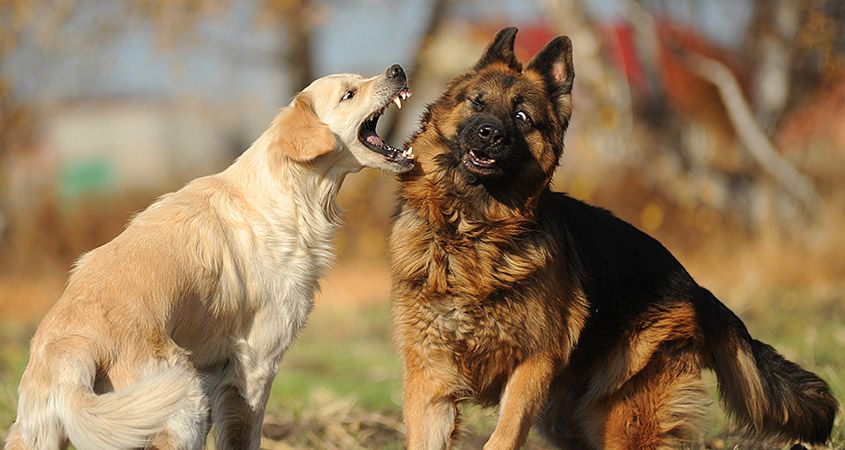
(662, 407)
(38, 426)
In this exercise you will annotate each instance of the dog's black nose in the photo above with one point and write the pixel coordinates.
(489, 134)
(395, 71)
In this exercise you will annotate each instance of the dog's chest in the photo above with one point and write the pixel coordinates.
(291, 262)
(468, 305)
(483, 341)
(274, 276)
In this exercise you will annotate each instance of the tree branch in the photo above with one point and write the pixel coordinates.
(751, 133)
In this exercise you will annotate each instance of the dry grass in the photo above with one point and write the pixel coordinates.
(340, 385)
(333, 425)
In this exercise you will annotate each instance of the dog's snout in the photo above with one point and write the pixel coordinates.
(395, 71)
(489, 134)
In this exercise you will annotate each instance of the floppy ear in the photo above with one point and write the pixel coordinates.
(299, 134)
(554, 64)
(501, 50)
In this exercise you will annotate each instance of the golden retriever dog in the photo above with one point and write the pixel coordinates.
(508, 293)
(181, 321)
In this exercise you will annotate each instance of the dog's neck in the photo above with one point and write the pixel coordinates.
(310, 187)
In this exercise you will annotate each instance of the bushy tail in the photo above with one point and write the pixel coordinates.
(125, 418)
(67, 406)
(766, 394)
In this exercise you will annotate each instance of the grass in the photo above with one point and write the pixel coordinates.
(341, 354)
(13, 357)
(347, 357)
(340, 384)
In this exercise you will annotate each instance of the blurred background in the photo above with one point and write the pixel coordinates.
(718, 126)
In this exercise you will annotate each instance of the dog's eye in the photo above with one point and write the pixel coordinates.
(522, 115)
(477, 103)
(348, 95)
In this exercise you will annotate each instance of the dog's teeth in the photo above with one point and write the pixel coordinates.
(398, 102)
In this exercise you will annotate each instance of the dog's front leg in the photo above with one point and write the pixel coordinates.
(524, 396)
(238, 409)
(429, 409)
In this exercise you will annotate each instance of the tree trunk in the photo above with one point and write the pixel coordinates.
(297, 18)
(435, 20)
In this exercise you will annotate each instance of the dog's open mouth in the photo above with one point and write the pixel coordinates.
(480, 159)
(480, 162)
(370, 138)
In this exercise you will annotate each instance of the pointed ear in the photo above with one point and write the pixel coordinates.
(554, 64)
(501, 50)
(299, 134)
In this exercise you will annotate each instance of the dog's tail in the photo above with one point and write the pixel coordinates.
(766, 394)
(57, 401)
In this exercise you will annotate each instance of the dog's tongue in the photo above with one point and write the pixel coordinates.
(373, 139)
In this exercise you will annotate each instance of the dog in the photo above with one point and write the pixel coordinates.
(508, 293)
(182, 319)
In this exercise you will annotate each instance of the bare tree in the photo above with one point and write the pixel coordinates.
(774, 26)
(297, 18)
(729, 116)
(436, 16)
(751, 133)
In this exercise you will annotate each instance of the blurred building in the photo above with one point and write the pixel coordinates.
(120, 144)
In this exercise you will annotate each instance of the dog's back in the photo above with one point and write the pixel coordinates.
(90, 376)
(651, 330)
(116, 360)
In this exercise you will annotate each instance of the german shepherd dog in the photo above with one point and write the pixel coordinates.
(566, 316)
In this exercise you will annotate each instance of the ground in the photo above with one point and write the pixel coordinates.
(340, 385)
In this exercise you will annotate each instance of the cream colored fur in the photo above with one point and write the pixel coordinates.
(185, 316)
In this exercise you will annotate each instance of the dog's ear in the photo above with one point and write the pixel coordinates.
(501, 50)
(554, 64)
(299, 134)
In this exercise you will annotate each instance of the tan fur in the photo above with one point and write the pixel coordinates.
(184, 316)
(300, 134)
